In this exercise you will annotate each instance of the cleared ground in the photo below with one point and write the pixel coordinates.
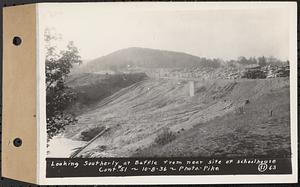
(224, 118)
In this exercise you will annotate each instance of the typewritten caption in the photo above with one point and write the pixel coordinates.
(95, 167)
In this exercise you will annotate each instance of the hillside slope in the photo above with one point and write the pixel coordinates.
(144, 58)
(255, 133)
(231, 112)
(91, 88)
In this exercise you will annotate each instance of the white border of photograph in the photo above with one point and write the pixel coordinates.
(201, 179)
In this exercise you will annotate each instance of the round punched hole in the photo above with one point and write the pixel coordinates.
(17, 142)
(17, 40)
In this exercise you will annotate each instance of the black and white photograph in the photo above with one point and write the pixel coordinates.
(178, 82)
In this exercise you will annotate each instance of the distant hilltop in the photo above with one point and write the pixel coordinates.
(145, 58)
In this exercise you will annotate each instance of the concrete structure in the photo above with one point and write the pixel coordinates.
(192, 88)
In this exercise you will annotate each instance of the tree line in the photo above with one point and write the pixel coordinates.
(59, 96)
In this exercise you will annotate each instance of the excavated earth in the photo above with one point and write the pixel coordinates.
(239, 117)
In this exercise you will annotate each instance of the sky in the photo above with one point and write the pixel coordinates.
(205, 30)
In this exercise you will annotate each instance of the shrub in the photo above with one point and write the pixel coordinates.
(89, 134)
(165, 137)
(240, 110)
(56, 123)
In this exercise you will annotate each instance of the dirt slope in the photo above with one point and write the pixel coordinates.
(210, 123)
(91, 88)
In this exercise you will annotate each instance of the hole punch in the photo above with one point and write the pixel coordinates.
(17, 142)
(17, 40)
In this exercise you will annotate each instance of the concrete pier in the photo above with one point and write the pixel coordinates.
(192, 88)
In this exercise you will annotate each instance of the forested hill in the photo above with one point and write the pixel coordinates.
(146, 58)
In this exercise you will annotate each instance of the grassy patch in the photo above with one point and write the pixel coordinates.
(165, 137)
